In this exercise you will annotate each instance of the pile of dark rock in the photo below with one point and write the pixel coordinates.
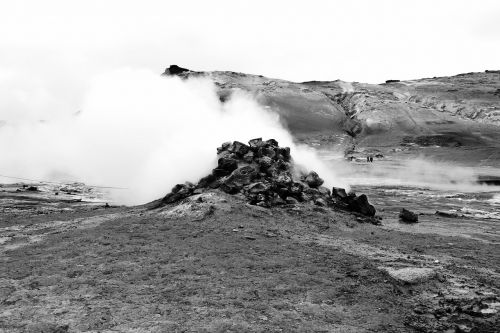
(264, 173)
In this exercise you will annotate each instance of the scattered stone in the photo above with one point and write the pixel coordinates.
(339, 193)
(408, 216)
(410, 275)
(313, 180)
(446, 214)
(361, 205)
(32, 189)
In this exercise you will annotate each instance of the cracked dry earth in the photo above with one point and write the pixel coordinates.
(215, 264)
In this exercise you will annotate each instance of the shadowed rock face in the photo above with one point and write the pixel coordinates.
(460, 106)
(175, 70)
(264, 173)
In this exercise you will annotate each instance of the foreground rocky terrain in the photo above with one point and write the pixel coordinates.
(213, 263)
(237, 252)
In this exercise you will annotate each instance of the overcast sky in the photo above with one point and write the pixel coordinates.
(49, 49)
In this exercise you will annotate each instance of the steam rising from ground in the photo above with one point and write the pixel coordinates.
(415, 171)
(143, 132)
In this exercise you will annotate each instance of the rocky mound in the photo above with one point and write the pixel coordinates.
(265, 175)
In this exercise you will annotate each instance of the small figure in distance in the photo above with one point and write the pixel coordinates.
(368, 158)
(371, 159)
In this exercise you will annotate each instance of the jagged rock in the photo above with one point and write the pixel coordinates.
(291, 201)
(324, 191)
(266, 152)
(238, 148)
(256, 143)
(296, 188)
(258, 187)
(175, 70)
(283, 180)
(284, 154)
(223, 147)
(313, 180)
(272, 142)
(361, 205)
(339, 193)
(312, 192)
(208, 181)
(408, 216)
(226, 165)
(238, 178)
(264, 163)
(179, 192)
(248, 157)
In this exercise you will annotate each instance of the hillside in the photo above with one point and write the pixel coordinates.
(459, 110)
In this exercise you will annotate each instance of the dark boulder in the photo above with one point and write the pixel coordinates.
(284, 154)
(264, 163)
(238, 148)
(408, 216)
(324, 191)
(226, 165)
(179, 192)
(296, 188)
(272, 142)
(239, 178)
(313, 180)
(361, 205)
(175, 70)
(257, 188)
(223, 147)
(283, 179)
(209, 181)
(256, 143)
(339, 193)
(267, 152)
(248, 157)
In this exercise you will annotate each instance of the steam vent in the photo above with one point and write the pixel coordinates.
(263, 172)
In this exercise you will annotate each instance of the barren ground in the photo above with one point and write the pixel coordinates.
(216, 264)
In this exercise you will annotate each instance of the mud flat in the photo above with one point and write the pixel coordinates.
(216, 264)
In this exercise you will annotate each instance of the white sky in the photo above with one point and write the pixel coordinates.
(49, 49)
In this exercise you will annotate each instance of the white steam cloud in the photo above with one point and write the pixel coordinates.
(143, 132)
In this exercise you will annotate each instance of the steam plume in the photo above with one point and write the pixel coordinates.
(144, 132)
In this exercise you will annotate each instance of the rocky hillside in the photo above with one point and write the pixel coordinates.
(457, 110)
